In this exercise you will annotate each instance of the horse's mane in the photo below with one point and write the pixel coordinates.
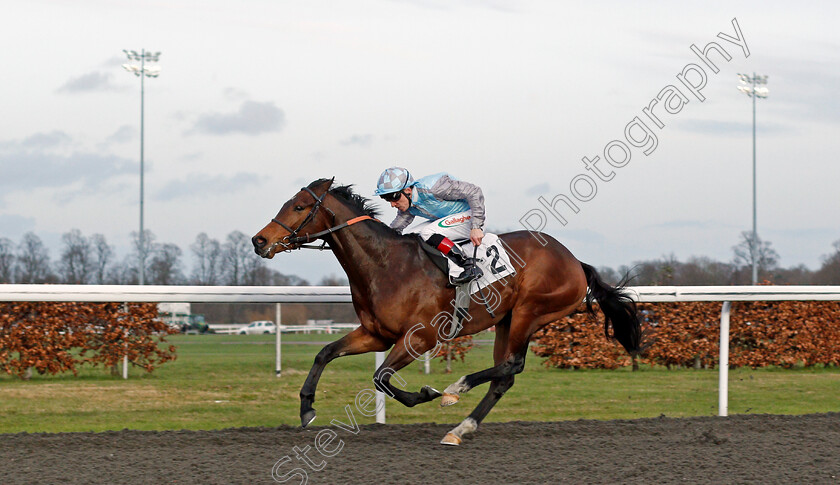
(345, 193)
(359, 204)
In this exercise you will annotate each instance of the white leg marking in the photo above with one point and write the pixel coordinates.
(454, 437)
(457, 387)
(467, 426)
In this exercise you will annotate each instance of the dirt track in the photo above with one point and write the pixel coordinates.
(738, 449)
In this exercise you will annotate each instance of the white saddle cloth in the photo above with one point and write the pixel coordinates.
(492, 259)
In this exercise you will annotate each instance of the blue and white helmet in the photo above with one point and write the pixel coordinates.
(393, 180)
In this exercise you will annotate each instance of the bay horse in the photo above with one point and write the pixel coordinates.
(400, 296)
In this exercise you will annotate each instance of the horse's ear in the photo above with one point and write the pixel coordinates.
(326, 184)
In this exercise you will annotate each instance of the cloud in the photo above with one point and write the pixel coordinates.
(497, 5)
(804, 88)
(26, 171)
(93, 82)
(730, 128)
(113, 62)
(53, 139)
(35, 163)
(681, 224)
(14, 225)
(234, 94)
(201, 184)
(124, 134)
(584, 236)
(536, 190)
(253, 118)
(188, 157)
(360, 140)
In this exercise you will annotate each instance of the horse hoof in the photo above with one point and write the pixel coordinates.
(450, 440)
(449, 399)
(307, 418)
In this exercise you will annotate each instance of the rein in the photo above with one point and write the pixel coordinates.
(293, 237)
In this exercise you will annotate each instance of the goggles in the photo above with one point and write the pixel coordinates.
(392, 197)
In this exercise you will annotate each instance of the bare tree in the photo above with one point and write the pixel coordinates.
(124, 273)
(33, 260)
(76, 263)
(701, 270)
(829, 272)
(795, 275)
(608, 274)
(236, 251)
(255, 268)
(142, 251)
(333, 280)
(655, 272)
(165, 265)
(7, 260)
(752, 248)
(208, 260)
(103, 253)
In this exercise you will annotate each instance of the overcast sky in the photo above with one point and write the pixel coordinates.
(257, 98)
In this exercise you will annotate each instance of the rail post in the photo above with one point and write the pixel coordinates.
(380, 396)
(278, 340)
(723, 384)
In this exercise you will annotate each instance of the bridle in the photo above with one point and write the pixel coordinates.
(292, 238)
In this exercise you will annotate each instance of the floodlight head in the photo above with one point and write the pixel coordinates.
(132, 69)
(152, 71)
(762, 92)
(748, 90)
(744, 78)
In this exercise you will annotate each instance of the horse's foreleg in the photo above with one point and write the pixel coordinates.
(358, 341)
(398, 358)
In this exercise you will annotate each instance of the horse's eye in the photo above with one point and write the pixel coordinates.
(298, 208)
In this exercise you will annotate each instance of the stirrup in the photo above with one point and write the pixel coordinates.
(471, 273)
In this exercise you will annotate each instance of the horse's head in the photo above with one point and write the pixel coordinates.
(301, 215)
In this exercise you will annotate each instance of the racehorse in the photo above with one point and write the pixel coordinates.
(400, 296)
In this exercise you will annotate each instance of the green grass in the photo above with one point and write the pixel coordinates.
(223, 381)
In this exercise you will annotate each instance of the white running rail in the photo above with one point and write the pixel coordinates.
(341, 294)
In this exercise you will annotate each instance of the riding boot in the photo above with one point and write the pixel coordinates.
(471, 270)
(457, 256)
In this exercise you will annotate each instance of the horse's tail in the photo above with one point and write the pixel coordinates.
(619, 309)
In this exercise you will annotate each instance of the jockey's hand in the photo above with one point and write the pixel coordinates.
(476, 235)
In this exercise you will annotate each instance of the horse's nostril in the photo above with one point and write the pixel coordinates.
(258, 241)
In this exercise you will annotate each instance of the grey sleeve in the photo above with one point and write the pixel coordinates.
(402, 221)
(448, 189)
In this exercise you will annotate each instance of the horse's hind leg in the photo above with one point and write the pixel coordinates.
(498, 387)
(510, 366)
(358, 341)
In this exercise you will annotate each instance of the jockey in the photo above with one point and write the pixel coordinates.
(454, 209)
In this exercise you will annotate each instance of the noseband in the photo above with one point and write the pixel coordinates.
(293, 237)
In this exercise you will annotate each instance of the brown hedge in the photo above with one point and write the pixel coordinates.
(58, 337)
(762, 334)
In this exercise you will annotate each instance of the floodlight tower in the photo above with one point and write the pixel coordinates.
(749, 87)
(142, 72)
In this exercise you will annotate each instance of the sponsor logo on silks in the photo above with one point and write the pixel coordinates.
(454, 221)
